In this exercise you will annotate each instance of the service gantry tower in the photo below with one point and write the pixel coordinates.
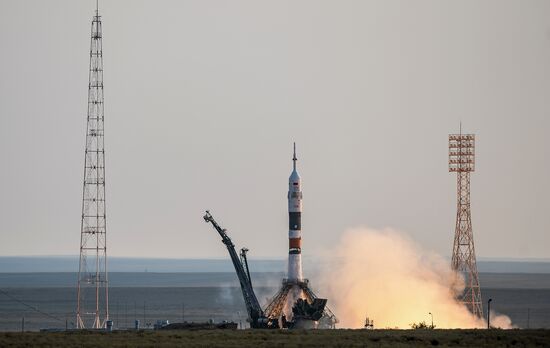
(92, 309)
(462, 161)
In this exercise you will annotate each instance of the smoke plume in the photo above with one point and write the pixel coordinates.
(387, 277)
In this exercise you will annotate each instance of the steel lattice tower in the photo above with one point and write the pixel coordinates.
(92, 289)
(462, 161)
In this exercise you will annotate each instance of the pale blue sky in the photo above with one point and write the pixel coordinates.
(204, 99)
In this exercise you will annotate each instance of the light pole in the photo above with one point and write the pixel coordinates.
(489, 313)
(432, 319)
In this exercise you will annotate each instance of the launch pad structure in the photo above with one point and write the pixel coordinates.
(287, 297)
(462, 162)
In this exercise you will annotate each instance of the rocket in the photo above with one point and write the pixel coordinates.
(294, 223)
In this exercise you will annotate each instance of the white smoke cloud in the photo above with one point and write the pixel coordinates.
(389, 278)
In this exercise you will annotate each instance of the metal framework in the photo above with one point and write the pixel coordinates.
(92, 289)
(255, 312)
(462, 161)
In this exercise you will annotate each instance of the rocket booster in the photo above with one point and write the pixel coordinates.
(294, 223)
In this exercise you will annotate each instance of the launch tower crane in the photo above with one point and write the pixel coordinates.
(255, 313)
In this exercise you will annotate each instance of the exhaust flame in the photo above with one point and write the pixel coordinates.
(387, 277)
(293, 295)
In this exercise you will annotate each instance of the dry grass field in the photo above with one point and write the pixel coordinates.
(264, 338)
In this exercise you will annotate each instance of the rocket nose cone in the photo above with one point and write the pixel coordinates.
(294, 176)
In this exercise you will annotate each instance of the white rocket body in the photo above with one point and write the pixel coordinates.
(295, 224)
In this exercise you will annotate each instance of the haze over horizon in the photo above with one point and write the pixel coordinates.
(313, 266)
(204, 99)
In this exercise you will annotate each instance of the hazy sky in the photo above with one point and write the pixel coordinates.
(204, 98)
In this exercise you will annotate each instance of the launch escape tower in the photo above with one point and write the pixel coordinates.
(462, 161)
(92, 289)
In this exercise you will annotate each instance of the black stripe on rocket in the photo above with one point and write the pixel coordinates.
(295, 221)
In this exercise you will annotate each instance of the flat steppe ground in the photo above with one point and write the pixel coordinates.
(283, 338)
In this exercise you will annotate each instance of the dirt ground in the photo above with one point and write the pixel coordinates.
(283, 338)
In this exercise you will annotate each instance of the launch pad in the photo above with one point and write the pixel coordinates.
(294, 306)
(310, 313)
